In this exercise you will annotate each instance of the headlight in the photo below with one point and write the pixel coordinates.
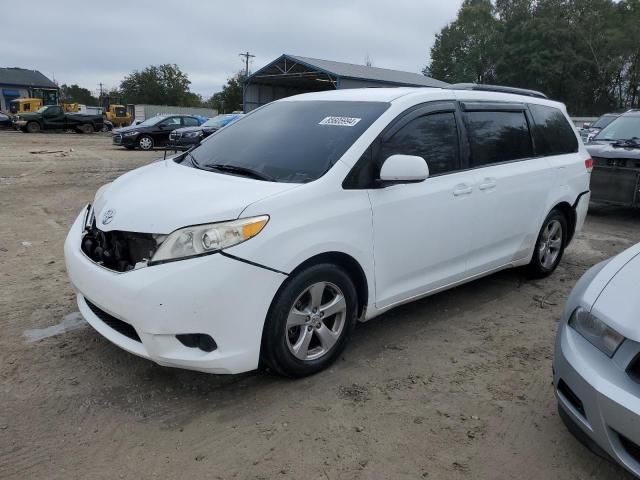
(205, 239)
(130, 134)
(600, 335)
(193, 134)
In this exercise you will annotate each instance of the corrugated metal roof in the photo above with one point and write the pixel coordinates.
(22, 76)
(363, 72)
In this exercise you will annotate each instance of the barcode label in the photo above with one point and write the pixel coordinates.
(340, 121)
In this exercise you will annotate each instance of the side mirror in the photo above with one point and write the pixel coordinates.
(586, 125)
(403, 169)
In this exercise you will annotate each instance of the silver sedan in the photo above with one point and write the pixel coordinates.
(597, 360)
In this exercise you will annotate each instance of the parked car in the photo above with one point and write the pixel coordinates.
(5, 121)
(597, 360)
(153, 132)
(187, 137)
(269, 240)
(616, 157)
(590, 130)
(53, 117)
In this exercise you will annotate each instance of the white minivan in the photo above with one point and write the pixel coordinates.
(265, 244)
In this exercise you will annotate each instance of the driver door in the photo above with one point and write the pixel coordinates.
(421, 230)
(168, 125)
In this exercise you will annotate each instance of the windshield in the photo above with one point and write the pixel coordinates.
(623, 128)
(219, 121)
(603, 121)
(42, 109)
(289, 141)
(151, 121)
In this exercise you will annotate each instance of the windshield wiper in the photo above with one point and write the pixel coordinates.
(234, 169)
(627, 143)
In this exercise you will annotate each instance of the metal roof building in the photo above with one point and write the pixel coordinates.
(291, 75)
(20, 82)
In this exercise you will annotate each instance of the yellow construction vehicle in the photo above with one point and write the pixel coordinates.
(24, 105)
(117, 115)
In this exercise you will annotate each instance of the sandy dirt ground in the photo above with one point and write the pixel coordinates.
(456, 386)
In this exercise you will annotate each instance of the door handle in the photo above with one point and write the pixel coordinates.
(462, 189)
(487, 184)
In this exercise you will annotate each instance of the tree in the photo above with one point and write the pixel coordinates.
(75, 94)
(585, 53)
(230, 98)
(466, 49)
(159, 85)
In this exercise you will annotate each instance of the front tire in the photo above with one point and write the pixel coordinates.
(145, 142)
(310, 321)
(33, 127)
(85, 128)
(550, 245)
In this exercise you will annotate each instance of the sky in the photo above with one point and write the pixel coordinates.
(88, 42)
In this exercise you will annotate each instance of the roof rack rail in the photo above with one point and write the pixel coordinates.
(496, 88)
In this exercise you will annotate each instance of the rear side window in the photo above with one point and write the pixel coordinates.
(497, 137)
(433, 137)
(190, 122)
(552, 132)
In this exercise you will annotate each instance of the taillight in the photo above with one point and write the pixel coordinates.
(588, 164)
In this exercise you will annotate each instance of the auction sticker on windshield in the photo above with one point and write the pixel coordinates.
(340, 121)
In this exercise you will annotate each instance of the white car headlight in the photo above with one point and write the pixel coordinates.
(201, 240)
(599, 334)
(130, 134)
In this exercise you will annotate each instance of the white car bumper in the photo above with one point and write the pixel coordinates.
(214, 295)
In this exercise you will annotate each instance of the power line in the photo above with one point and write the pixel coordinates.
(246, 56)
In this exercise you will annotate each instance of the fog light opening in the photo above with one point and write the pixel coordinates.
(201, 341)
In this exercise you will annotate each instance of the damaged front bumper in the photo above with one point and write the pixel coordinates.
(214, 295)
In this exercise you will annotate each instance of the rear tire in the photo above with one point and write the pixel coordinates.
(550, 245)
(310, 321)
(145, 142)
(33, 127)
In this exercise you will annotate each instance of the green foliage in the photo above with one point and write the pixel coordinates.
(75, 94)
(585, 53)
(159, 85)
(230, 98)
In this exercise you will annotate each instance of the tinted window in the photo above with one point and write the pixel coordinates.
(289, 141)
(171, 122)
(433, 137)
(190, 122)
(498, 137)
(552, 132)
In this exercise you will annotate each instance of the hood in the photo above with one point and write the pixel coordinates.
(129, 128)
(603, 149)
(164, 196)
(618, 302)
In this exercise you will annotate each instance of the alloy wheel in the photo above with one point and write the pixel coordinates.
(550, 244)
(316, 321)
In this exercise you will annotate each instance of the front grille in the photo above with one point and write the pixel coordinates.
(118, 251)
(634, 368)
(118, 325)
(175, 135)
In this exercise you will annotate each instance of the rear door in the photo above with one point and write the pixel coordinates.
(421, 230)
(512, 187)
(54, 118)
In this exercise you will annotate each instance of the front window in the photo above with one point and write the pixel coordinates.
(288, 141)
(622, 128)
(149, 122)
(42, 109)
(603, 121)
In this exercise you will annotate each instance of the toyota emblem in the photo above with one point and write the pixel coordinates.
(108, 216)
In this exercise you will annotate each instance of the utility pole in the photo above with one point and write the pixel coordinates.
(246, 56)
(100, 85)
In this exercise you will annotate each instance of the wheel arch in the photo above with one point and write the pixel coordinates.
(350, 265)
(570, 215)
